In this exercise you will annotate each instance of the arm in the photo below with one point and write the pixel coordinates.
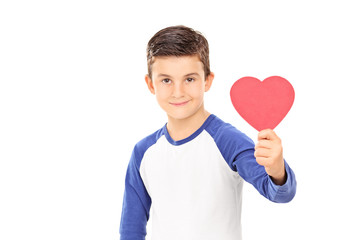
(265, 168)
(136, 203)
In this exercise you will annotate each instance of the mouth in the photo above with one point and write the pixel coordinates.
(179, 104)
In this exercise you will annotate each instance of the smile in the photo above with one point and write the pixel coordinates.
(179, 104)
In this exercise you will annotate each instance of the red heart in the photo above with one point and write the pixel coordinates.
(263, 104)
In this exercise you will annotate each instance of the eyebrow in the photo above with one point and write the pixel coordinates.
(187, 75)
(194, 73)
(163, 75)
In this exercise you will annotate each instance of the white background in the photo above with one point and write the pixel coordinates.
(73, 103)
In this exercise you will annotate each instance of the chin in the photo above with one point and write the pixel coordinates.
(179, 116)
(182, 115)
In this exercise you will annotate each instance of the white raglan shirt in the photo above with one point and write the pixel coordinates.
(194, 186)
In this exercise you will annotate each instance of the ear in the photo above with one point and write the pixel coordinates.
(149, 83)
(208, 81)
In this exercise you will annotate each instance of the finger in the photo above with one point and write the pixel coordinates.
(267, 134)
(262, 161)
(262, 152)
(263, 143)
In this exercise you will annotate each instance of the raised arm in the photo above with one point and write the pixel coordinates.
(265, 168)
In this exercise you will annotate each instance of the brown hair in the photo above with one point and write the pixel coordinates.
(178, 41)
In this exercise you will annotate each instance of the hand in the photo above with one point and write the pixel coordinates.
(269, 153)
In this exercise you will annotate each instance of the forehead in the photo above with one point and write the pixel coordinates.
(173, 65)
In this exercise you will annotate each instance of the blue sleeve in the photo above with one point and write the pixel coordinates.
(136, 202)
(238, 150)
(246, 165)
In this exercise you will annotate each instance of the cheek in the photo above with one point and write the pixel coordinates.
(197, 91)
(162, 92)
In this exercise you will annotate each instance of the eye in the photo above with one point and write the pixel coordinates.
(166, 81)
(190, 79)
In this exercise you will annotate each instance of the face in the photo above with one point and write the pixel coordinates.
(179, 84)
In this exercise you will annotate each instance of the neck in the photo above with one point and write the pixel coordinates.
(182, 128)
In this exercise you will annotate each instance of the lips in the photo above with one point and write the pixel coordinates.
(179, 104)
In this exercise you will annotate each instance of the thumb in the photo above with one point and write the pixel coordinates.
(267, 134)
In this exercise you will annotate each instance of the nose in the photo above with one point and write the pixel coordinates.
(178, 90)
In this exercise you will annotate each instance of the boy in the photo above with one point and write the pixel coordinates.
(191, 171)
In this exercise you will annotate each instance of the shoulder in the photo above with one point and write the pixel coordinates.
(230, 141)
(223, 133)
(144, 144)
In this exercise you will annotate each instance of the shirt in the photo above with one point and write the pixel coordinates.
(194, 186)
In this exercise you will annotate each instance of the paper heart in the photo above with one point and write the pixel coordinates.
(263, 104)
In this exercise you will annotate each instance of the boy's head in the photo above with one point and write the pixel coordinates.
(179, 72)
(178, 41)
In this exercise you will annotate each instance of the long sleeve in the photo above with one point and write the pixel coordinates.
(136, 202)
(238, 151)
(255, 174)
